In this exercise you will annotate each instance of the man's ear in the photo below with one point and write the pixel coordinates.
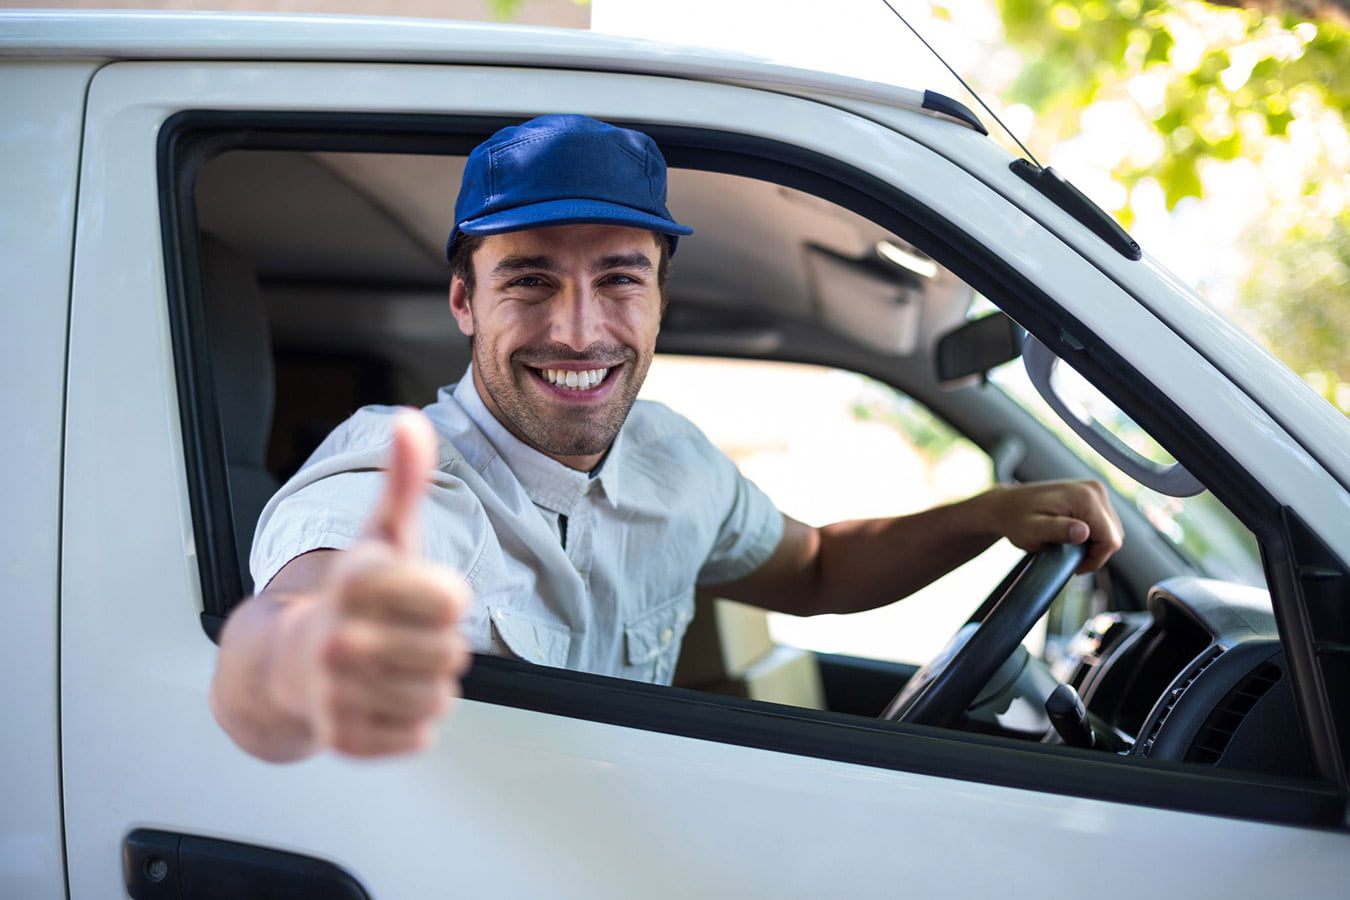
(459, 306)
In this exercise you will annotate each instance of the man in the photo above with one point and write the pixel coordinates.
(535, 510)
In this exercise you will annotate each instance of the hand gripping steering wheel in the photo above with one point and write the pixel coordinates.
(943, 689)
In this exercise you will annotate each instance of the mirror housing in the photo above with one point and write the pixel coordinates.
(976, 347)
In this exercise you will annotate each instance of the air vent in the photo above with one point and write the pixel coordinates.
(1174, 696)
(1224, 722)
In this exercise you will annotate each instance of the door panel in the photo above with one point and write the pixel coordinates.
(39, 163)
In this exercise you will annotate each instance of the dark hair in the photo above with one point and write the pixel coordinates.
(461, 261)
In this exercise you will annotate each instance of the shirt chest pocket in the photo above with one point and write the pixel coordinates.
(652, 639)
(523, 636)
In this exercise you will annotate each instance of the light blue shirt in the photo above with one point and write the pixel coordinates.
(666, 511)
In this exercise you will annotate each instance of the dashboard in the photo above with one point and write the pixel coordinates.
(1199, 677)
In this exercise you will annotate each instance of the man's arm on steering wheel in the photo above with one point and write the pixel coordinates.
(866, 563)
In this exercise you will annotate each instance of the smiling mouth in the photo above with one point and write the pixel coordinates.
(573, 380)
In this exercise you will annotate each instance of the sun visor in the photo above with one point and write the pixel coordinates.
(874, 306)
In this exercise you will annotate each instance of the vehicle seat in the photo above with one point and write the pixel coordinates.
(241, 359)
(728, 650)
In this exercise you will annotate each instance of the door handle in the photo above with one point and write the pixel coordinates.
(162, 865)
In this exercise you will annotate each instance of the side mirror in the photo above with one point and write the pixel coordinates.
(976, 347)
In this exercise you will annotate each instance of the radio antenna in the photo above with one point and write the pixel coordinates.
(968, 88)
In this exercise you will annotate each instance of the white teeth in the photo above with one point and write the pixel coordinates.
(574, 381)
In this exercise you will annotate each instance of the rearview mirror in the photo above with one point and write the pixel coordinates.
(978, 346)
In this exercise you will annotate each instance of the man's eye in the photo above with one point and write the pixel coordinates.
(620, 279)
(527, 281)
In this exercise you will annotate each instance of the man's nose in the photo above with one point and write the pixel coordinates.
(578, 316)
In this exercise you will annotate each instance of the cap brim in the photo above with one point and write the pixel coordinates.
(571, 212)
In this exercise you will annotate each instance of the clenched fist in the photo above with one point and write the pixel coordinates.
(355, 650)
(1057, 512)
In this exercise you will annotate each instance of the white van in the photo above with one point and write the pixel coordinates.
(222, 234)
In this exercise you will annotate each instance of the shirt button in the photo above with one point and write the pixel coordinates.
(667, 636)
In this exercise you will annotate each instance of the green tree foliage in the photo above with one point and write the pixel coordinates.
(1217, 83)
(507, 10)
(1256, 89)
(1299, 300)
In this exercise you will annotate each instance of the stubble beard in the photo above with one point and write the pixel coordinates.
(554, 429)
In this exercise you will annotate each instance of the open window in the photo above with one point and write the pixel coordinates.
(307, 280)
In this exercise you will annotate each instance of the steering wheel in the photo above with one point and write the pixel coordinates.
(943, 689)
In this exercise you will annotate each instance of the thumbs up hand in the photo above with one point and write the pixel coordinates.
(369, 650)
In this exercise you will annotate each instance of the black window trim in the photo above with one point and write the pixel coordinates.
(191, 137)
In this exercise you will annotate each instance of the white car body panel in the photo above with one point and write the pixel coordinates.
(301, 37)
(512, 802)
(39, 159)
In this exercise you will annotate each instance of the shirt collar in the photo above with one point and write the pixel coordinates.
(548, 483)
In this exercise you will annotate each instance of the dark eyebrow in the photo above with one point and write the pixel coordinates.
(509, 264)
(634, 260)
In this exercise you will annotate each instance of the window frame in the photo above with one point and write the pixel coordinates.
(190, 137)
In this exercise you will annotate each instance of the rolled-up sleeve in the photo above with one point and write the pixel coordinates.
(750, 530)
(328, 513)
(327, 503)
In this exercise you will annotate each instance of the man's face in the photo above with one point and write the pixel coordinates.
(564, 321)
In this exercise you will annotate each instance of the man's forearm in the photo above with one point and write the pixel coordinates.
(867, 563)
(862, 564)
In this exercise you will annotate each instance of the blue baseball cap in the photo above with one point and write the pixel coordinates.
(563, 170)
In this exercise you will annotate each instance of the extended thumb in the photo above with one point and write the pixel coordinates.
(412, 457)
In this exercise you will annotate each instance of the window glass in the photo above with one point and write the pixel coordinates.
(1200, 527)
(827, 445)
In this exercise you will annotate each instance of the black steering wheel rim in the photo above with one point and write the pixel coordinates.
(952, 682)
